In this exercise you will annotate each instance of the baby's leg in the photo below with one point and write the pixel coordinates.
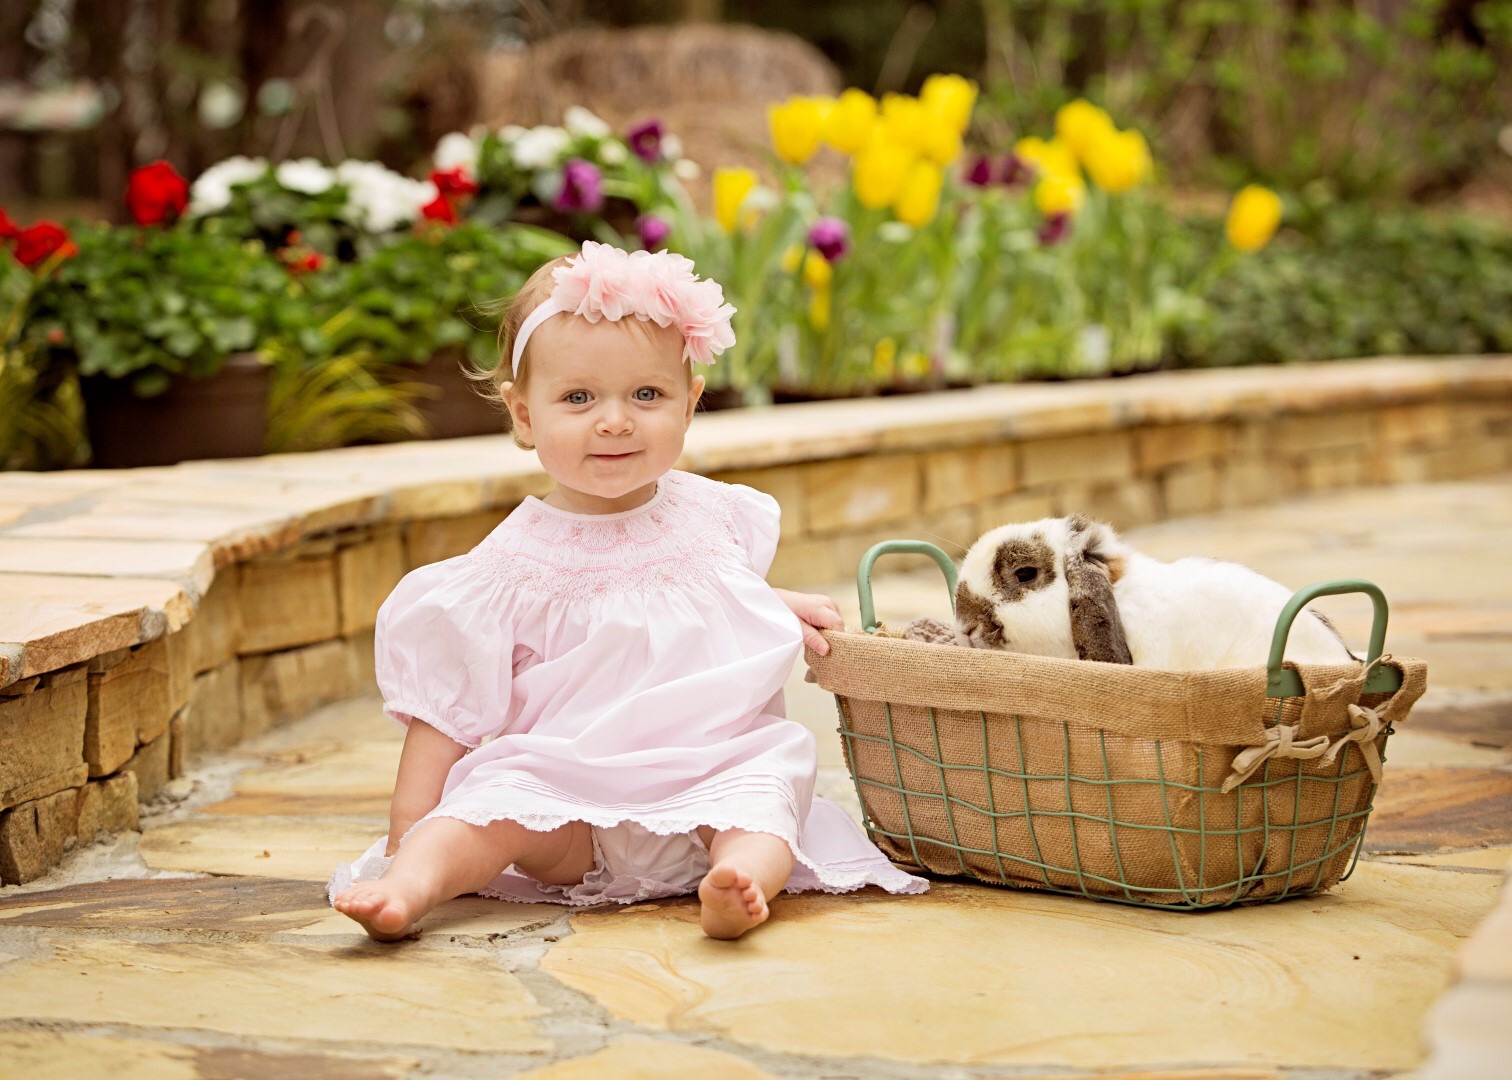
(445, 857)
(746, 869)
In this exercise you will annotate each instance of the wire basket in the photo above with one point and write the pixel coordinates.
(1178, 789)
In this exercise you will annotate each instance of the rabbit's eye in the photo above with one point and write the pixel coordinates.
(1026, 573)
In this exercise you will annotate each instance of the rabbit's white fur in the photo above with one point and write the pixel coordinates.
(1091, 596)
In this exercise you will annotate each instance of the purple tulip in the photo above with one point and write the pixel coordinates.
(831, 237)
(1016, 171)
(1054, 230)
(980, 173)
(582, 187)
(645, 139)
(653, 231)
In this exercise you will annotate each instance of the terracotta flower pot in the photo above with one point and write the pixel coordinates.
(223, 416)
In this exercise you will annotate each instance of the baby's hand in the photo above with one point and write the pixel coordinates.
(815, 613)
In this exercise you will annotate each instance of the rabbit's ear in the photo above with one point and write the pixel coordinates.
(1092, 565)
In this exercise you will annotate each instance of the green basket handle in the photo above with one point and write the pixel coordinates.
(897, 547)
(1281, 682)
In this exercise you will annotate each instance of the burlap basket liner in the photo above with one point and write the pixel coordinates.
(1104, 779)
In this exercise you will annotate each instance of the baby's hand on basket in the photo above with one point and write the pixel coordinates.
(815, 613)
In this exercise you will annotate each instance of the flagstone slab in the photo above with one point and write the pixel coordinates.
(646, 1059)
(1411, 747)
(374, 808)
(1485, 724)
(1434, 809)
(306, 849)
(49, 622)
(52, 1055)
(1485, 860)
(358, 719)
(192, 564)
(253, 904)
(973, 975)
(466, 918)
(364, 769)
(233, 533)
(333, 993)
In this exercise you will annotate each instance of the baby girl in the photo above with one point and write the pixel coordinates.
(593, 695)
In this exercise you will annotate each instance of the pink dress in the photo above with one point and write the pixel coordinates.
(625, 670)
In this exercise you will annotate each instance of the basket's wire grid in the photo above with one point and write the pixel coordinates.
(1035, 801)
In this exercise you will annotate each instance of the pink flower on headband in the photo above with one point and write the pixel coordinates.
(604, 282)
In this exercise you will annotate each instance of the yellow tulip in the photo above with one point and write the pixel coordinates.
(920, 196)
(917, 365)
(731, 186)
(1253, 218)
(797, 125)
(879, 172)
(904, 120)
(1053, 158)
(883, 355)
(950, 98)
(1058, 193)
(1080, 124)
(819, 310)
(817, 273)
(942, 144)
(851, 121)
(1117, 160)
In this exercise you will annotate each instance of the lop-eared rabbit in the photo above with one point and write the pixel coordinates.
(1070, 587)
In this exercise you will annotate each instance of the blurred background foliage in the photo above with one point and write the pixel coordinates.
(1384, 125)
(1401, 100)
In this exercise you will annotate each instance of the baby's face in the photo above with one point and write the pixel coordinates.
(606, 405)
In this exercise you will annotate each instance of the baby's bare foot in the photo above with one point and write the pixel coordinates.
(732, 902)
(381, 908)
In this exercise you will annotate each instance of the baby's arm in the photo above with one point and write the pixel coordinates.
(428, 756)
(813, 610)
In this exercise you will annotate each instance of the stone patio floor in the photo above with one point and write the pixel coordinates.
(203, 947)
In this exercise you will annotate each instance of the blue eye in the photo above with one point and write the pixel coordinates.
(577, 397)
(647, 393)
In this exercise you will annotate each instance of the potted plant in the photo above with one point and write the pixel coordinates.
(425, 301)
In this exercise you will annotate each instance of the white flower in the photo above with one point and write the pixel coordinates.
(211, 192)
(306, 175)
(579, 121)
(457, 151)
(612, 153)
(379, 199)
(510, 132)
(540, 147)
(686, 169)
(671, 147)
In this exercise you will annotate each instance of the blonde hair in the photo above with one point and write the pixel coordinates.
(512, 312)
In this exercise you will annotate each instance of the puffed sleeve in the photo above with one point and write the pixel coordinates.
(444, 651)
(758, 521)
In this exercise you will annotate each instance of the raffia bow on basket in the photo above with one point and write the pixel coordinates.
(1187, 789)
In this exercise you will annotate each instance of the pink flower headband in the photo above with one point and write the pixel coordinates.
(604, 282)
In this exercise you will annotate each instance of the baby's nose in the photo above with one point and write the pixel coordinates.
(614, 419)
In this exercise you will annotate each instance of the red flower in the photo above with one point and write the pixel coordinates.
(301, 262)
(156, 193)
(41, 241)
(440, 209)
(454, 182)
(8, 229)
